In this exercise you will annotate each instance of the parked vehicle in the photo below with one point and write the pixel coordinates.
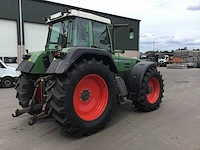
(8, 75)
(163, 60)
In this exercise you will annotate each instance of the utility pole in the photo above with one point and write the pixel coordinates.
(21, 51)
(153, 41)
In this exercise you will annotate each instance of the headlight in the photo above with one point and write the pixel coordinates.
(18, 72)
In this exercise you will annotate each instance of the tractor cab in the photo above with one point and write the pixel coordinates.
(78, 29)
(75, 28)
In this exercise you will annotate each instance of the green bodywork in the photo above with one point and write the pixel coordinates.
(67, 33)
(124, 63)
(37, 59)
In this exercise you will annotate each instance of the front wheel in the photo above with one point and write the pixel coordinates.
(83, 99)
(151, 91)
(7, 82)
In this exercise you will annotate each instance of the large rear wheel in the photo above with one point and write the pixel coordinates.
(83, 99)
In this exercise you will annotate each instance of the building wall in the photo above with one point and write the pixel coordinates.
(35, 36)
(9, 9)
(131, 53)
(8, 38)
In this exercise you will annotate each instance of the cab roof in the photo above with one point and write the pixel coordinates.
(78, 13)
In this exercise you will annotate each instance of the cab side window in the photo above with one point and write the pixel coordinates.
(101, 36)
(82, 33)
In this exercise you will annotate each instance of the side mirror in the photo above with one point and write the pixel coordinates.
(119, 51)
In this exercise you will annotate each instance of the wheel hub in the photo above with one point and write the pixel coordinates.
(149, 89)
(85, 95)
(7, 82)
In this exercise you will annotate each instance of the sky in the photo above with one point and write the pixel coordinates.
(169, 24)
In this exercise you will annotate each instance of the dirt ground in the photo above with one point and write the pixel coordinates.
(175, 125)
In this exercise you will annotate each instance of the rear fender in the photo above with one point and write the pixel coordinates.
(60, 66)
(136, 76)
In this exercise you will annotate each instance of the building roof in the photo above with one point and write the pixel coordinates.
(83, 9)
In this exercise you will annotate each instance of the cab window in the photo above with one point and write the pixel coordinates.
(101, 36)
(80, 33)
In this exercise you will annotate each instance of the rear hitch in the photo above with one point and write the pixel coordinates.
(19, 112)
(32, 106)
(42, 115)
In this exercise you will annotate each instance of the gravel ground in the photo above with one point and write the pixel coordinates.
(175, 125)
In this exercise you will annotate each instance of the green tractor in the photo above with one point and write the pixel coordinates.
(79, 78)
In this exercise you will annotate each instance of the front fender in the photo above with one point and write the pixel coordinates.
(136, 76)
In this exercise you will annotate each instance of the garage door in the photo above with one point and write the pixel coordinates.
(35, 36)
(8, 38)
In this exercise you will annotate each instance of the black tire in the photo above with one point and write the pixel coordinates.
(62, 98)
(7, 82)
(143, 103)
(25, 89)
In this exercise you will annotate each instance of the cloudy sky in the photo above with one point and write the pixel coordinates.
(171, 24)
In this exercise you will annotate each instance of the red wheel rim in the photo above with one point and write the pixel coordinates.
(38, 95)
(153, 96)
(90, 97)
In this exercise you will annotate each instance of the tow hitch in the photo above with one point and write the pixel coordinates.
(43, 109)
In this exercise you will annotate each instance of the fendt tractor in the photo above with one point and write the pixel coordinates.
(80, 77)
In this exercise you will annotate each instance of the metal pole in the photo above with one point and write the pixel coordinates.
(153, 41)
(21, 33)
